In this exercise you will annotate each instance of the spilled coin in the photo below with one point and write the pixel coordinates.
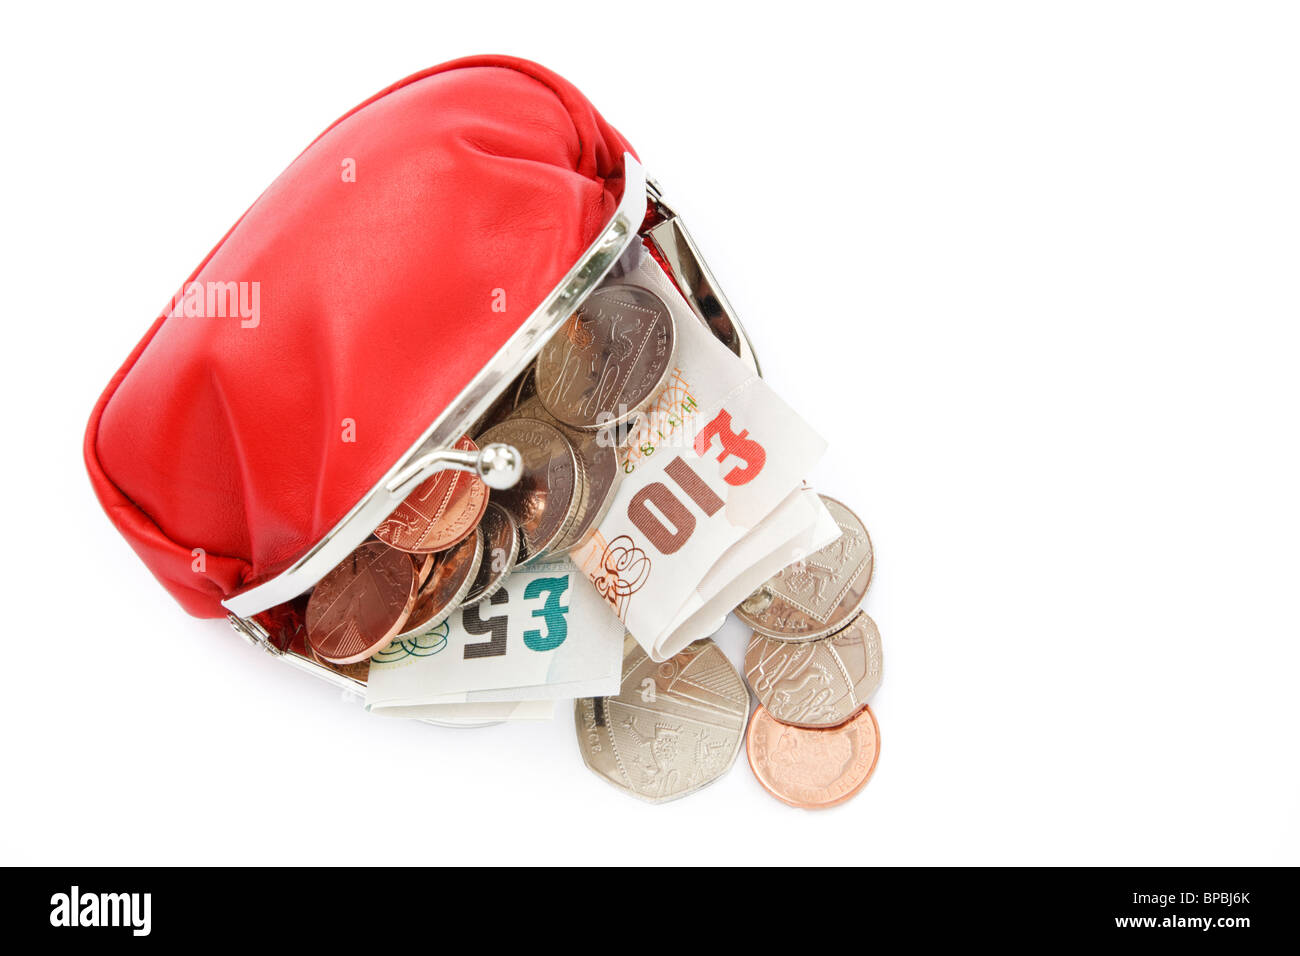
(812, 769)
(817, 683)
(820, 594)
(674, 726)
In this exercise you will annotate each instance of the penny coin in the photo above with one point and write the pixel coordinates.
(358, 670)
(440, 512)
(598, 452)
(424, 564)
(298, 646)
(820, 594)
(447, 586)
(818, 683)
(500, 551)
(362, 604)
(608, 358)
(812, 769)
(542, 502)
(674, 726)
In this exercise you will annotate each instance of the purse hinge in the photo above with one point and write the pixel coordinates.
(254, 633)
(665, 229)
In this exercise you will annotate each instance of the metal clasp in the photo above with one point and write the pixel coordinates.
(254, 634)
(499, 465)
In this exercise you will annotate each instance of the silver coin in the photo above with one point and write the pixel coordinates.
(575, 511)
(547, 495)
(500, 552)
(608, 359)
(818, 683)
(445, 590)
(674, 727)
(820, 594)
(599, 454)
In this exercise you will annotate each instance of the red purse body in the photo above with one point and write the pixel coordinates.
(343, 314)
(370, 307)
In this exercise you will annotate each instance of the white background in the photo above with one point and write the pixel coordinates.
(1031, 267)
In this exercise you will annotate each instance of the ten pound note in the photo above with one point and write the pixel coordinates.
(712, 501)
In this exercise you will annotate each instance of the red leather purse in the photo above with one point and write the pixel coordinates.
(359, 318)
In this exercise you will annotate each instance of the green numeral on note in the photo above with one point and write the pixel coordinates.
(557, 627)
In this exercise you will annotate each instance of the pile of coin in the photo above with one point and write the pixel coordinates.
(417, 568)
(814, 659)
(813, 662)
(452, 543)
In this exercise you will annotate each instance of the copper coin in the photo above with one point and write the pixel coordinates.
(358, 670)
(818, 683)
(362, 604)
(820, 594)
(424, 564)
(597, 448)
(439, 513)
(608, 358)
(500, 552)
(812, 769)
(447, 586)
(547, 494)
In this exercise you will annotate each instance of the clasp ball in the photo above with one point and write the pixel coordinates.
(500, 465)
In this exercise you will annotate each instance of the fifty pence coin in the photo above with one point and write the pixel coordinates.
(818, 683)
(544, 500)
(812, 769)
(439, 513)
(608, 358)
(820, 594)
(500, 551)
(674, 727)
(447, 586)
(362, 604)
